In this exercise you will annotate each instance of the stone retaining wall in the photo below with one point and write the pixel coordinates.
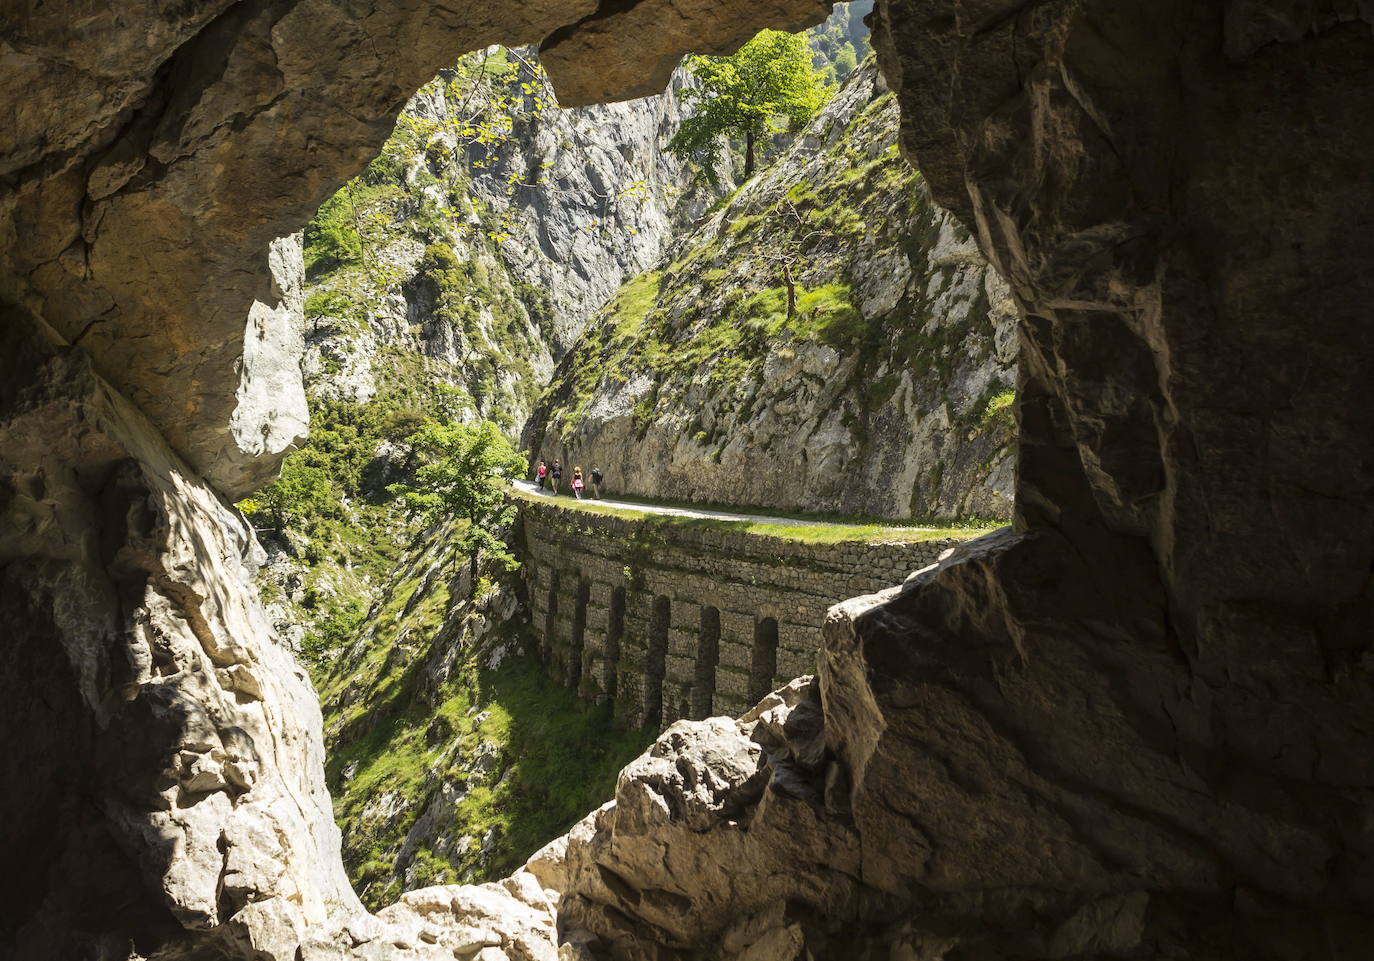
(671, 619)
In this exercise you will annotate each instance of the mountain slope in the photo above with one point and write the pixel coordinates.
(883, 388)
(492, 226)
(441, 284)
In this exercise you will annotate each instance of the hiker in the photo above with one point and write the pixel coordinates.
(542, 474)
(596, 482)
(557, 475)
(577, 483)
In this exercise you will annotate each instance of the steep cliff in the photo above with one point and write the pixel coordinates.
(475, 248)
(453, 753)
(440, 284)
(829, 339)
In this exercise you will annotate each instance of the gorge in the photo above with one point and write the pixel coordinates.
(1133, 724)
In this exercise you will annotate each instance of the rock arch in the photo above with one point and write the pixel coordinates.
(615, 630)
(579, 632)
(547, 641)
(763, 660)
(655, 658)
(707, 659)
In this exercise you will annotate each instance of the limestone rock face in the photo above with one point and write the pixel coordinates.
(168, 747)
(885, 392)
(152, 159)
(711, 834)
(630, 49)
(543, 224)
(271, 415)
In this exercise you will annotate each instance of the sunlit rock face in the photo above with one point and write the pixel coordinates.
(164, 748)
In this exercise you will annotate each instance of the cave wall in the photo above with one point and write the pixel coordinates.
(165, 755)
(164, 749)
(1135, 725)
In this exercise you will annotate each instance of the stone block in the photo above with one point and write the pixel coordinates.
(732, 684)
(686, 615)
(684, 643)
(795, 663)
(736, 655)
(679, 669)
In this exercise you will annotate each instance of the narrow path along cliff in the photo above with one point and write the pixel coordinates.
(531, 488)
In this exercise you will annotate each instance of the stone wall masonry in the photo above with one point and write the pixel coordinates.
(759, 586)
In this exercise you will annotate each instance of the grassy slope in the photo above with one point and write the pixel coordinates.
(411, 708)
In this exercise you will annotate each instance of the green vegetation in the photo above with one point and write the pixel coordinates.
(523, 757)
(773, 271)
(767, 85)
(466, 470)
(841, 42)
(998, 407)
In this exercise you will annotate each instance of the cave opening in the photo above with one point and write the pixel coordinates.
(490, 293)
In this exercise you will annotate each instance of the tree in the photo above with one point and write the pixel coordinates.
(846, 60)
(768, 79)
(301, 491)
(465, 474)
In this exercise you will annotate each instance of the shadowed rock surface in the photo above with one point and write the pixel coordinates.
(1137, 725)
(151, 158)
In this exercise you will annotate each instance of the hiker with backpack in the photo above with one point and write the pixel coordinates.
(557, 475)
(541, 474)
(596, 482)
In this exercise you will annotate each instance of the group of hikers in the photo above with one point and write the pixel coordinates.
(548, 478)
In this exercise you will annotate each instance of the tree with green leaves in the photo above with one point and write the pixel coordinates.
(301, 492)
(768, 85)
(464, 475)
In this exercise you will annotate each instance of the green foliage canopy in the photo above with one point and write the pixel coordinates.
(466, 470)
(769, 79)
(300, 492)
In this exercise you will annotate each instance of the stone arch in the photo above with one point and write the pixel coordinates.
(579, 632)
(708, 657)
(550, 615)
(656, 659)
(615, 630)
(763, 664)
